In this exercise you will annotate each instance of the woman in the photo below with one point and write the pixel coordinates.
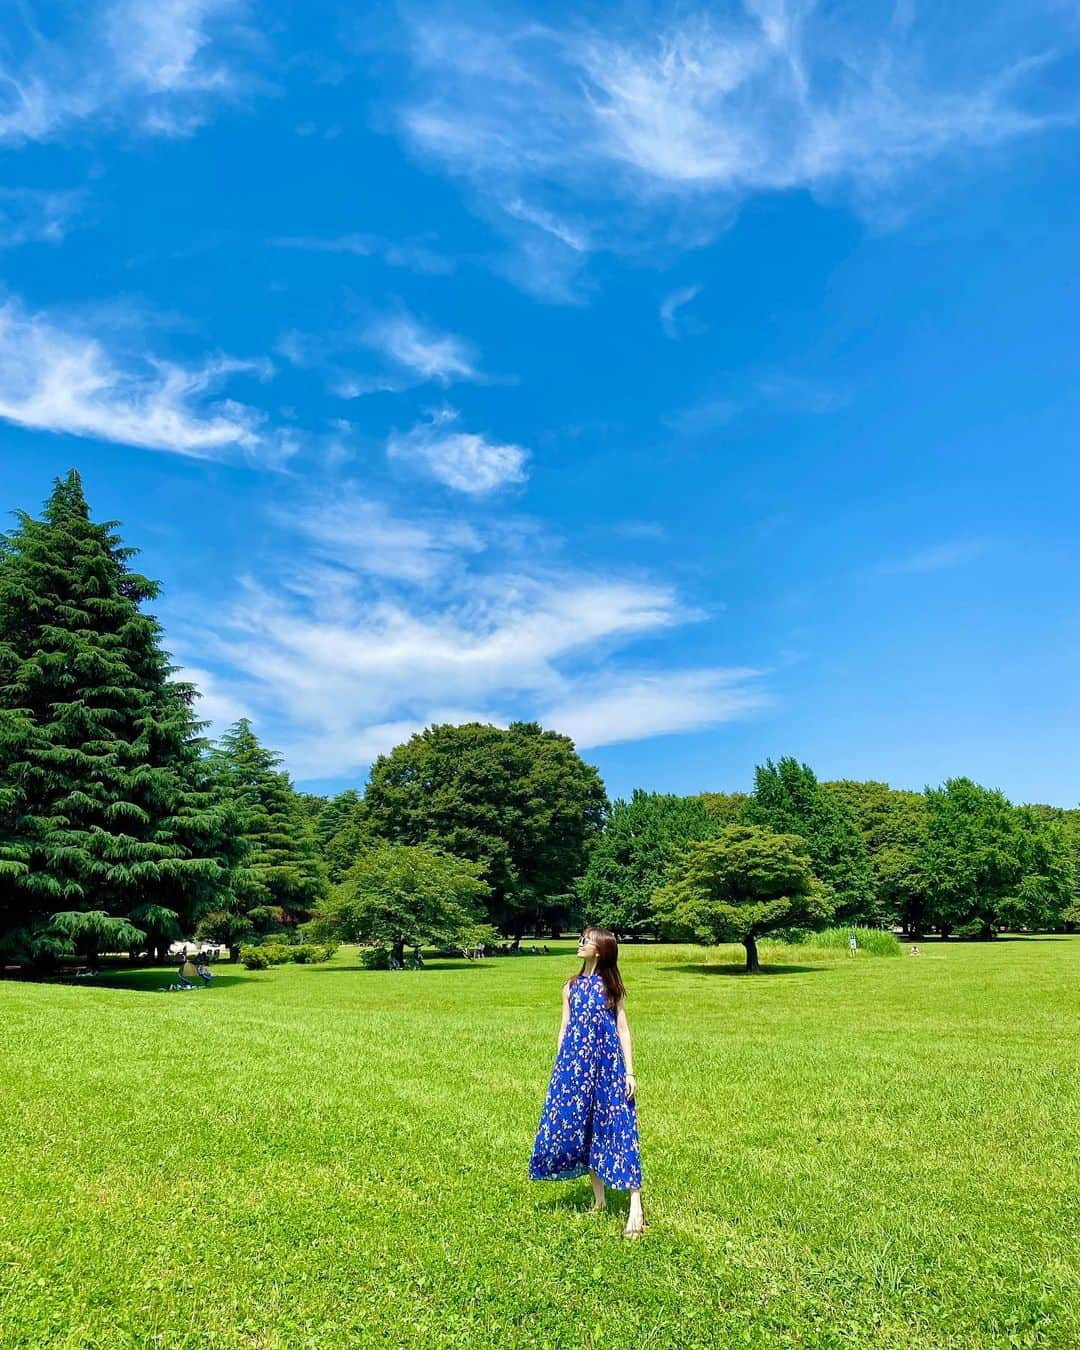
(589, 1123)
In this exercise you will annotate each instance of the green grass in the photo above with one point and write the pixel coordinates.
(875, 940)
(868, 1152)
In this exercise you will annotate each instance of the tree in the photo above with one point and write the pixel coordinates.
(789, 799)
(746, 882)
(520, 802)
(403, 895)
(343, 832)
(726, 808)
(892, 823)
(989, 864)
(630, 859)
(105, 807)
(280, 878)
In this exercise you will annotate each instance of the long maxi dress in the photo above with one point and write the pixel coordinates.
(588, 1120)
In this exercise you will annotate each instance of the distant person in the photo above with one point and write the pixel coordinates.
(204, 972)
(547, 950)
(914, 952)
(189, 970)
(533, 951)
(852, 945)
(593, 1129)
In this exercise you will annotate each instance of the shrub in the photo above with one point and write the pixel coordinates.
(876, 941)
(375, 958)
(279, 953)
(310, 953)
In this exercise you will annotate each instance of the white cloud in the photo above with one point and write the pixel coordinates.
(697, 111)
(62, 379)
(936, 558)
(149, 65)
(425, 353)
(460, 459)
(671, 305)
(634, 707)
(36, 215)
(338, 671)
(364, 536)
(413, 254)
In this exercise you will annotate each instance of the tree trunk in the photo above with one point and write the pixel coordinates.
(752, 966)
(234, 951)
(398, 951)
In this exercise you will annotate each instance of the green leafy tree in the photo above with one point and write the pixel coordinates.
(726, 808)
(631, 858)
(105, 807)
(281, 877)
(892, 823)
(520, 802)
(789, 799)
(746, 882)
(989, 864)
(399, 895)
(344, 832)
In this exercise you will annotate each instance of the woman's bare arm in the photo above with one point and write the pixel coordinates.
(565, 1012)
(623, 1027)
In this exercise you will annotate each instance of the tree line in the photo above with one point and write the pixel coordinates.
(122, 827)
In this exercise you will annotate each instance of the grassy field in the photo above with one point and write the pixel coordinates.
(870, 1152)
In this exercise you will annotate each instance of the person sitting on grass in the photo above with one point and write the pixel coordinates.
(914, 952)
(204, 972)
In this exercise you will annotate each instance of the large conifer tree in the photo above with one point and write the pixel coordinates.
(107, 813)
(281, 877)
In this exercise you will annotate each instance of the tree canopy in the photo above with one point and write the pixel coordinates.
(280, 868)
(989, 864)
(105, 803)
(744, 883)
(405, 895)
(789, 799)
(631, 858)
(520, 802)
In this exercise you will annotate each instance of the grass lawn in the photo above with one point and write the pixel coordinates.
(871, 1152)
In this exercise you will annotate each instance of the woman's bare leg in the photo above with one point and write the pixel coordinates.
(599, 1200)
(635, 1220)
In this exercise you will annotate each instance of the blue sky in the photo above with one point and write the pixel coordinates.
(701, 381)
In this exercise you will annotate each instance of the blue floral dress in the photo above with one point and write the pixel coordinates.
(588, 1120)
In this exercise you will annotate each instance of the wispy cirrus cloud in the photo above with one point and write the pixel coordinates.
(693, 111)
(669, 311)
(421, 351)
(935, 558)
(152, 66)
(363, 535)
(36, 215)
(462, 460)
(413, 254)
(341, 664)
(635, 706)
(61, 377)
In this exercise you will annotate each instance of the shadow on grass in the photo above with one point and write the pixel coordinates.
(692, 969)
(146, 981)
(357, 969)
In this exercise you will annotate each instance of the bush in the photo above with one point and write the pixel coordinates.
(876, 941)
(279, 953)
(311, 953)
(375, 958)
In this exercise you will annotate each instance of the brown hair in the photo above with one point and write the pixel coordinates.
(607, 965)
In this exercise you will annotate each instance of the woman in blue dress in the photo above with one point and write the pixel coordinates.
(589, 1122)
